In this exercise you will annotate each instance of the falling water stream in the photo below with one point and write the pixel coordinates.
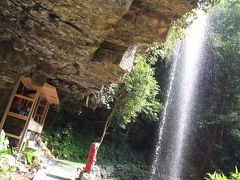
(176, 118)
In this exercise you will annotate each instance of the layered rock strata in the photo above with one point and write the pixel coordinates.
(79, 46)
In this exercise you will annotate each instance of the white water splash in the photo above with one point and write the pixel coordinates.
(192, 66)
(183, 81)
(164, 114)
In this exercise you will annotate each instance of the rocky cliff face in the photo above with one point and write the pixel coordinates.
(79, 46)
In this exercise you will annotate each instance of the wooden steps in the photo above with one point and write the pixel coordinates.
(28, 98)
(24, 97)
(19, 116)
(12, 135)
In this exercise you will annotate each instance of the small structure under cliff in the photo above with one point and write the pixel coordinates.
(79, 46)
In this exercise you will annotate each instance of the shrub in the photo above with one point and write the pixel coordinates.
(220, 176)
(67, 143)
(7, 161)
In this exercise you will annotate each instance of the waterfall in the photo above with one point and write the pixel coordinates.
(176, 118)
(165, 111)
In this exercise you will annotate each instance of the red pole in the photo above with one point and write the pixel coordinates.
(91, 157)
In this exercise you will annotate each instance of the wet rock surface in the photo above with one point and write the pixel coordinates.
(79, 46)
(124, 172)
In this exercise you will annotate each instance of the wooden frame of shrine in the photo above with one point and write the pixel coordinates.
(28, 104)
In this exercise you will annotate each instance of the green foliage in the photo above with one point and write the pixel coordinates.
(226, 151)
(26, 155)
(225, 53)
(3, 142)
(7, 160)
(68, 144)
(220, 116)
(29, 156)
(110, 153)
(178, 29)
(220, 176)
(216, 176)
(138, 93)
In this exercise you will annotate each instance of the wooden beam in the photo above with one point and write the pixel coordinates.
(19, 116)
(49, 92)
(27, 82)
(34, 126)
(9, 104)
(44, 115)
(30, 116)
(36, 108)
(12, 135)
(24, 97)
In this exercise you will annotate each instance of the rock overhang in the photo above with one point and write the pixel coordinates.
(79, 46)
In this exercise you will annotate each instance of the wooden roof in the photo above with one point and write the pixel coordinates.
(28, 83)
(48, 92)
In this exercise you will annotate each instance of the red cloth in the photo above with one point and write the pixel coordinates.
(20, 100)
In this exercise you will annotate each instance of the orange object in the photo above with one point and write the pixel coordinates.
(91, 157)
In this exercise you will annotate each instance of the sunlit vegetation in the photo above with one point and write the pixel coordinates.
(220, 176)
(220, 105)
(137, 103)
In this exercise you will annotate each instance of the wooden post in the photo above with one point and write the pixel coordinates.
(30, 115)
(44, 115)
(9, 104)
(35, 110)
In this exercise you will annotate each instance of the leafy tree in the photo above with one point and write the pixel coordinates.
(138, 94)
(178, 29)
(219, 139)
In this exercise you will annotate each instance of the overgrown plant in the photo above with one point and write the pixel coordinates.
(7, 160)
(68, 143)
(220, 176)
(178, 29)
(220, 117)
(25, 155)
(138, 94)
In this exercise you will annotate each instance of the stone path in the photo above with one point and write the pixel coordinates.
(61, 170)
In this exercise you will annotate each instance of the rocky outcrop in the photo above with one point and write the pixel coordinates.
(118, 171)
(79, 46)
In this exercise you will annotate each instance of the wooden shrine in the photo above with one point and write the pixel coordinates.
(27, 109)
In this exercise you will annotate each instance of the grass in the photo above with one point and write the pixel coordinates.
(74, 163)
